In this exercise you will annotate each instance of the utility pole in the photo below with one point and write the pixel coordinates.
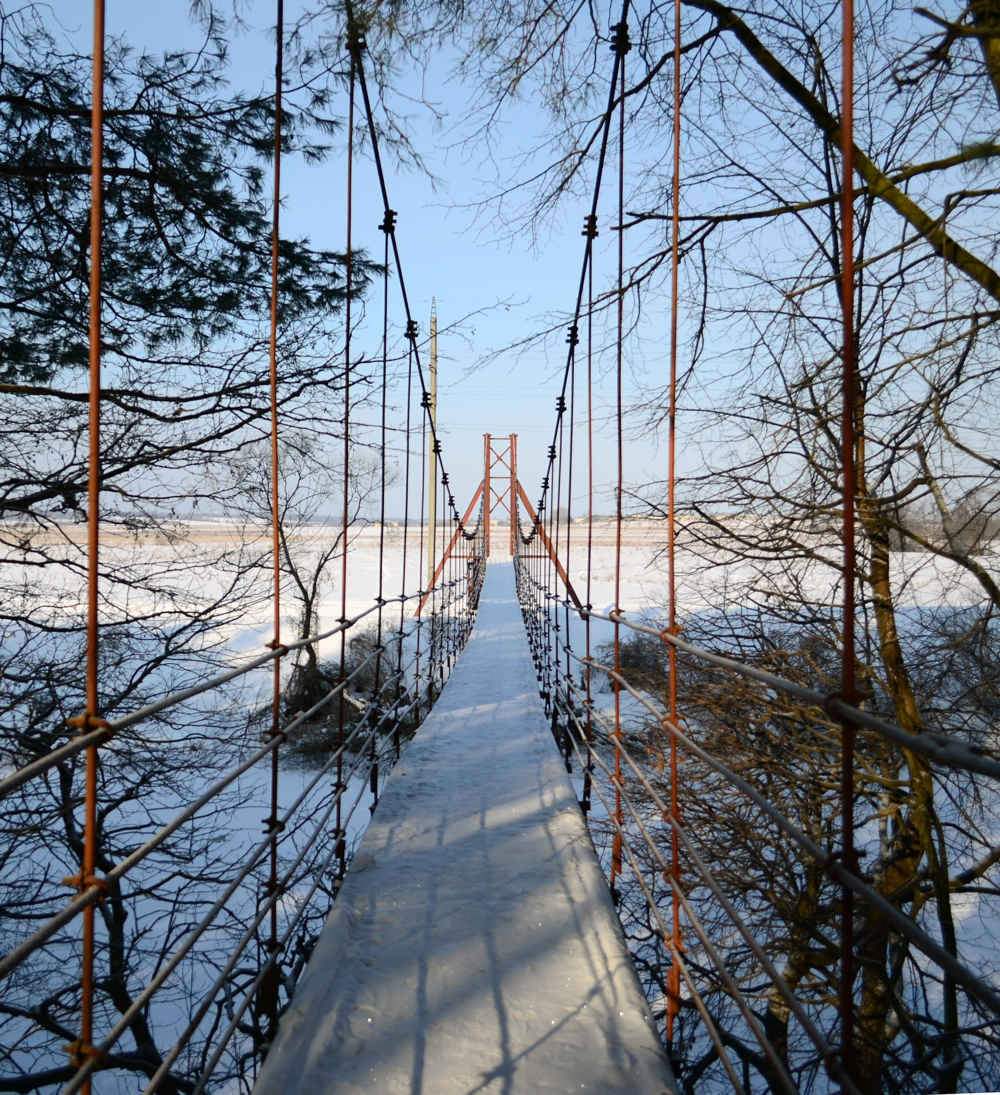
(432, 469)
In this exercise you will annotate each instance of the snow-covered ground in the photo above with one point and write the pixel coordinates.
(196, 567)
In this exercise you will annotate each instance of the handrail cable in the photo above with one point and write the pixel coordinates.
(95, 891)
(936, 746)
(825, 1050)
(247, 936)
(99, 737)
(669, 935)
(834, 1062)
(199, 930)
(833, 866)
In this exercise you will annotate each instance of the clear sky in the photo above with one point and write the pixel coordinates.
(508, 290)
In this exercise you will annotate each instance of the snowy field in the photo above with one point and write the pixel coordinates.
(202, 564)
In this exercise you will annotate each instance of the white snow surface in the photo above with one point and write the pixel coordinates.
(474, 946)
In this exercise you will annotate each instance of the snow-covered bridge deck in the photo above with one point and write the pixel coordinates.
(474, 946)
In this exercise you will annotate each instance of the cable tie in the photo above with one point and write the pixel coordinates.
(80, 1052)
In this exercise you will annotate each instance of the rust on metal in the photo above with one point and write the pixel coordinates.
(847, 455)
(88, 867)
(449, 550)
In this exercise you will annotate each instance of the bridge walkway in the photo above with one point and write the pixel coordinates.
(474, 947)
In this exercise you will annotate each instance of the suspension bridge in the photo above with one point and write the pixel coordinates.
(474, 938)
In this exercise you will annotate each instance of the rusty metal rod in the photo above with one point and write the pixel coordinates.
(847, 690)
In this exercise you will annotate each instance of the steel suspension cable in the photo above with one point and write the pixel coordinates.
(590, 231)
(592, 228)
(673, 994)
(406, 501)
(359, 71)
(353, 49)
(382, 461)
(621, 46)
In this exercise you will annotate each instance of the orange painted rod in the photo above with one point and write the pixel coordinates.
(448, 550)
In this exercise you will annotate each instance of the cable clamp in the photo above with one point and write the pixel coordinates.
(388, 224)
(412, 331)
(828, 701)
(87, 721)
(273, 825)
(573, 338)
(590, 226)
(280, 647)
(80, 1052)
(356, 44)
(81, 883)
(620, 42)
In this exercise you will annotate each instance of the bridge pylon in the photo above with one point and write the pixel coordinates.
(499, 482)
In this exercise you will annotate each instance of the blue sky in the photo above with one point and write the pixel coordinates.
(509, 288)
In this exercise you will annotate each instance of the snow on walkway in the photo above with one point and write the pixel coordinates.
(474, 946)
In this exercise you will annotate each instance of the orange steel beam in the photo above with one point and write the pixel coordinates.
(487, 500)
(549, 548)
(513, 490)
(447, 554)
